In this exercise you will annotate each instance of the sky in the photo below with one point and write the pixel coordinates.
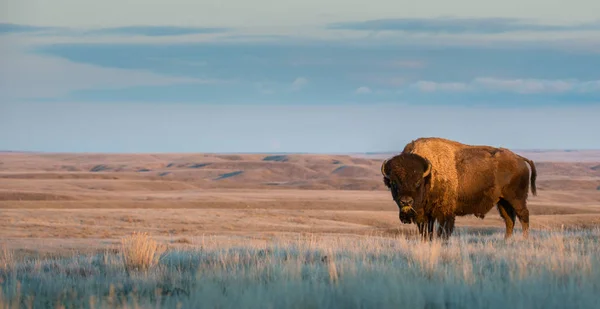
(297, 76)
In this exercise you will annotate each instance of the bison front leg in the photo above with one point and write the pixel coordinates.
(421, 227)
(426, 228)
(446, 227)
(430, 225)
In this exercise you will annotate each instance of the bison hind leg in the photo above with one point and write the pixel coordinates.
(507, 212)
(520, 207)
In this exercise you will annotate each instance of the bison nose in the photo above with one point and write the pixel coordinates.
(406, 201)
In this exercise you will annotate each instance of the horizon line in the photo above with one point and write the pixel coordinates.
(279, 152)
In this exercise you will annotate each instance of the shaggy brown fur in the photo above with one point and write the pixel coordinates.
(464, 180)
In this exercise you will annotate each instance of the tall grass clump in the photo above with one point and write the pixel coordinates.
(7, 259)
(140, 252)
(555, 269)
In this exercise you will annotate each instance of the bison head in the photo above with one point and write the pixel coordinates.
(408, 176)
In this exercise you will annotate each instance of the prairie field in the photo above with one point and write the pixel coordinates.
(279, 231)
(553, 269)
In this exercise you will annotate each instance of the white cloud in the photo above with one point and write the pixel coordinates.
(591, 86)
(363, 90)
(268, 19)
(76, 33)
(427, 86)
(241, 13)
(26, 75)
(299, 83)
(525, 85)
(394, 81)
(271, 87)
(521, 86)
(179, 61)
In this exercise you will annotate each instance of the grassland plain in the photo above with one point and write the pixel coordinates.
(551, 269)
(273, 231)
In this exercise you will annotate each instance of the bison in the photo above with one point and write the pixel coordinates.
(439, 179)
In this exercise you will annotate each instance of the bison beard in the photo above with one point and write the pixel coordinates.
(407, 214)
(436, 179)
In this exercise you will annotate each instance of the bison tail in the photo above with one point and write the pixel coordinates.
(533, 175)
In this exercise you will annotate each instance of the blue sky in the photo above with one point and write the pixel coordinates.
(329, 77)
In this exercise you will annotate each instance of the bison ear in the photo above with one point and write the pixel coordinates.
(427, 168)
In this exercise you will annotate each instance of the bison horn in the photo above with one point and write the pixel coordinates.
(383, 169)
(428, 170)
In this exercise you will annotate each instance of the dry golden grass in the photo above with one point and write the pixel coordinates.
(7, 259)
(551, 269)
(140, 252)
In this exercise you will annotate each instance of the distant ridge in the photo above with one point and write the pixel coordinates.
(19, 151)
(198, 171)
